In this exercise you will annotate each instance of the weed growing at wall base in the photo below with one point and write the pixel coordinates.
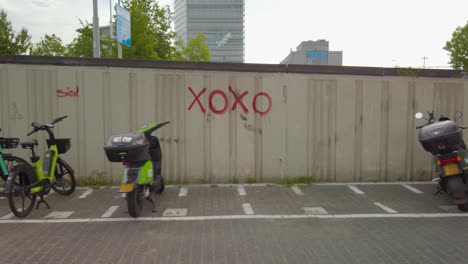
(94, 180)
(302, 180)
(251, 180)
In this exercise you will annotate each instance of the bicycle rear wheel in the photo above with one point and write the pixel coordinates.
(20, 198)
(65, 183)
(11, 161)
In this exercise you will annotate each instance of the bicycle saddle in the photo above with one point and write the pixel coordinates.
(29, 144)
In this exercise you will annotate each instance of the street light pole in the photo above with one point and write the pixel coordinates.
(110, 20)
(119, 46)
(96, 43)
(424, 59)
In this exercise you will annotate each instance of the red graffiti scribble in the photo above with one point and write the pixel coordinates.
(239, 100)
(68, 92)
(254, 103)
(197, 99)
(226, 102)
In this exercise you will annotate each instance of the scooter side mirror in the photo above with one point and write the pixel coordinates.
(418, 115)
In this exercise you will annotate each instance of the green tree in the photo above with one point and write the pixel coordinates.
(50, 45)
(458, 48)
(82, 46)
(151, 32)
(10, 42)
(196, 49)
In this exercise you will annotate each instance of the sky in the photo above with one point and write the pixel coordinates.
(397, 33)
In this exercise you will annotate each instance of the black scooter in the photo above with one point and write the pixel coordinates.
(444, 140)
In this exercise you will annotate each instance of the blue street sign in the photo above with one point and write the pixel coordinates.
(123, 25)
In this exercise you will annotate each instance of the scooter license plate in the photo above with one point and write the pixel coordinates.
(451, 169)
(126, 187)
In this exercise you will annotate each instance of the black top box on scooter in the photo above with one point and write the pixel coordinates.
(131, 147)
(441, 137)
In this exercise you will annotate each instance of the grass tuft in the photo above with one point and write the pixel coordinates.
(251, 180)
(302, 180)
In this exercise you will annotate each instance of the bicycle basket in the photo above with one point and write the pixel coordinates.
(9, 143)
(63, 144)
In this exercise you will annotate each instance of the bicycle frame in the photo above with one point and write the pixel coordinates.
(6, 143)
(46, 169)
(3, 168)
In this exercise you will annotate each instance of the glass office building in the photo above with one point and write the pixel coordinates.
(222, 21)
(314, 53)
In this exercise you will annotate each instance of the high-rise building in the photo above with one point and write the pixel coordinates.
(222, 21)
(314, 53)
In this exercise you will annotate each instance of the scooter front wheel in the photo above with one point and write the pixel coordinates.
(135, 201)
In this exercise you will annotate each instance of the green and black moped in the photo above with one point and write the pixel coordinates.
(141, 155)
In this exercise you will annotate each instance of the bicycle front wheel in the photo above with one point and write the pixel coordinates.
(65, 182)
(20, 198)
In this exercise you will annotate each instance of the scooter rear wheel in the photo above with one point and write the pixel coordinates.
(463, 207)
(135, 201)
(161, 185)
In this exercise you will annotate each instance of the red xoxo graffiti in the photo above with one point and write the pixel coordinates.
(237, 101)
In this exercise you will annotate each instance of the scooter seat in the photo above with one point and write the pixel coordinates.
(29, 144)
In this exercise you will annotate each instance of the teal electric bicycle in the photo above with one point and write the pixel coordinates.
(141, 155)
(7, 160)
(27, 181)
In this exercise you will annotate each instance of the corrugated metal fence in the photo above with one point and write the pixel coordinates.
(232, 122)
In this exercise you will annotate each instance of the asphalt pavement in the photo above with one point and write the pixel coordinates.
(321, 223)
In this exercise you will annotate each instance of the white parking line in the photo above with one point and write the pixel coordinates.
(386, 209)
(450, 208)
(230, 217)
(110, 211)
(8, 216)
(355, 189)
(297, 190)
(370, 183)
(171, 212)
(183, 191)
(241, 190)
(247, 209)
(85, 194)
(314, 210)
(59, 214)
(411, 188)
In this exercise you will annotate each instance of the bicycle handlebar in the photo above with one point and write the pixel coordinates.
(56, 120)
(38, 126)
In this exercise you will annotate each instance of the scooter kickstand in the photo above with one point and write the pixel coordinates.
(41, 200)
(153, 201)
